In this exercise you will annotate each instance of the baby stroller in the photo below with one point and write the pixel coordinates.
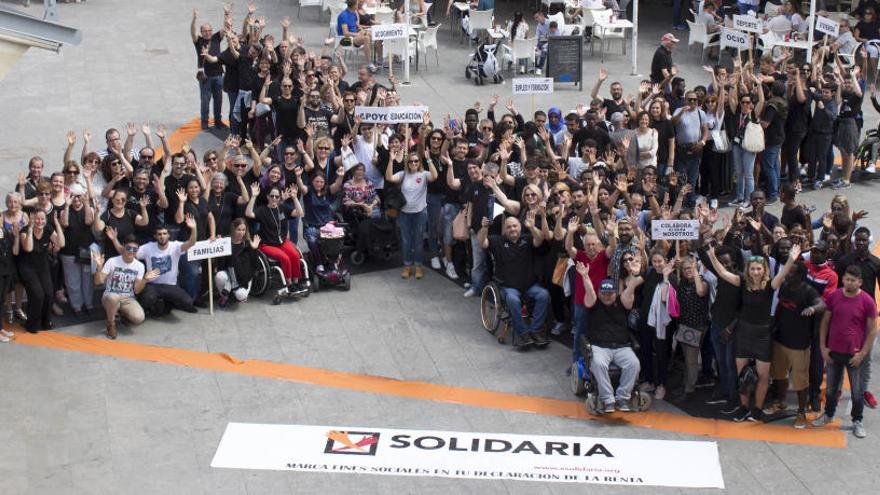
(331, 273)
(484, 65)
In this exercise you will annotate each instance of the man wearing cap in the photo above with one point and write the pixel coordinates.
(610, 339)
(661, 64)
(514, 256)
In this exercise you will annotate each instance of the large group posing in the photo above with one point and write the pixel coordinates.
(555, 207)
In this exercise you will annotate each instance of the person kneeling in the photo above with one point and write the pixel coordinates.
(163, 254)
(610, 338)
(235, 272)
(125, 277)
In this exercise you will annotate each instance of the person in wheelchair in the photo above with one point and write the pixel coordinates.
(514, 255)
(610, 339)
(360, 204)
(234, 272)
(273, 231)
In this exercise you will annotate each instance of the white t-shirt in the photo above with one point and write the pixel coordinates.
(165, 261)
(121, 275)
(415, 190)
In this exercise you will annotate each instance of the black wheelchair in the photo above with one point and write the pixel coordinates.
(368, 237)
(267, 273)
(583, 383)
(495, 314)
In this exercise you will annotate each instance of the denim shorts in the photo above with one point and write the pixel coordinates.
(450, 210)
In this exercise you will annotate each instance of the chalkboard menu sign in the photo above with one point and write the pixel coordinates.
(565, 59)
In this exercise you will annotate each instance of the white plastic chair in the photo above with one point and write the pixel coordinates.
(480, 20)
(349, 50)
(848, 60)
(428, 39)
(698, 32)
(310, 3)
(384, 17)
(772, 10)
(335, 10)
(396, 47)
(522, 49)
(604, 33)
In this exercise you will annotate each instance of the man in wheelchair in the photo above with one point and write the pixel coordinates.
(515, 271)
(610, 338)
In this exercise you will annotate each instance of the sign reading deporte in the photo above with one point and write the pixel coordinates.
(453, 454)
(210, 249)
(675, 230)
(391, 115)
(748, 23)
(532, 85)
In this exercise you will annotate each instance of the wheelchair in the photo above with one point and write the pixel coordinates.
(334, 274)
(584, 385)
(866, 156)
(495, 314)
(267, 273)
(382, 237)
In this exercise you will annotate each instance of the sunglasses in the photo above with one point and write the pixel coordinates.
(287, 85)
(348, 100)
(209, 159)
(436, 138)
(131, 249)
(114, 163)
(530, 195)
(241, 165)
(756, 258)
(324, 148)
(71, 172)
(486, 128)
(414, 161)
(273, 196)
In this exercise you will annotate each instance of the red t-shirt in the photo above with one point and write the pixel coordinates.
(846, 333)
(598, 273)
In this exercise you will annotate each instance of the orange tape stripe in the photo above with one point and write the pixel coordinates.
(183, 134)
(826, 437)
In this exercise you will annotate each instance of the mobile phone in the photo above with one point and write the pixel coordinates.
(810, 209)
(713, 204)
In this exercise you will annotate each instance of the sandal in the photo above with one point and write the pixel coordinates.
(111, 330)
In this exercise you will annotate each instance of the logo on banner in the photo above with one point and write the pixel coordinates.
(352, 442)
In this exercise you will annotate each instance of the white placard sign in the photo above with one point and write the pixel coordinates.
(674, 230)
(391, 115)
(487, 456)
(747, 23)
(734, 39)
(388, 31)
(217, 248)
(532, 85)
(827, 26)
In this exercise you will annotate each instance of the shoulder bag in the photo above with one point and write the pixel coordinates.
(460, 230)
(753, 138)
(720, 141)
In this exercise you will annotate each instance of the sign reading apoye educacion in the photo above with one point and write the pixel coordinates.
(451, 454)
(391, 115)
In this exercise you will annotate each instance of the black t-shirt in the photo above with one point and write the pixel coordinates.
(480, 197)
(869, 30)
(870, 270)
(77, 234)
(662, 60)
(611, 107)
(286, 111)
(172, 184)
(459, 171)
(793, 330)
(850, 106)
(665, 132)
(213, 44)
(230, 65)
(514, 262)
(694, 308)
(232, 183)
(608, 325)
(124, 227)
(649, 286)
(320, 117)
(247, 73)
(273, 223)
(774, 134)
(756, 304)
(7, 261)
(727, 303)
(223, 207)
(133, 204)
(798, 119)
(200, 212)
(38, 258)
(596, 134)
(793, 216)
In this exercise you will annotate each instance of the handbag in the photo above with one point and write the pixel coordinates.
(559, 271)
(460, 230)
(720, 141)
(753, 138)
(201, 76)
(688, 335)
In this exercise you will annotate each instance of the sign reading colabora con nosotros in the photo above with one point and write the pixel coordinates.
(675, 230)
(391, 115)
(490, 456)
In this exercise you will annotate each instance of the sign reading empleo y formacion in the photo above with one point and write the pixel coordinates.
(675, 230)
(734, 39)
(382, 32)
(532, 85)
(488, 456)
(391, 115)
(217, 248)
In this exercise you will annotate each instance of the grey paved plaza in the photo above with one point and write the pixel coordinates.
(80, 423)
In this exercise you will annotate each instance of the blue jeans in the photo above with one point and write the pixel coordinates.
(478, 264)
(690, 166)
(435, 207)
(450, 210)
(212, 88)
(513, 300)
(744, 8)
(412, 231)
(770, 167)
(726, 359)
(293, 229)
(580, 320)
(189, 275)
(744, 169)
(661, 169)
(833, 380)
(312, 235)
(676, 12)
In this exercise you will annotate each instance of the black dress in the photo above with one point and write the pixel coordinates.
(755, 326)
(35, 275)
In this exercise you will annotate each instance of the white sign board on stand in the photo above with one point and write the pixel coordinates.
(532, 85)
(735, 39)
(383, 32)
(748, 23)
(675, 230)
(391, 115)
(827, 26)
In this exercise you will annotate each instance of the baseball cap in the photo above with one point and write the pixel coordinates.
(669, 37)
(607, 286)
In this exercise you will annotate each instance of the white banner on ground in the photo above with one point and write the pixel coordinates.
(217, 248)
(748, 23)
(827, 26)
(391, 115)
(673, 230)
(388, 31)
(489, 456)
(532, 85)
(734, 39)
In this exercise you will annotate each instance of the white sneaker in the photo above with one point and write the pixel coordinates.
(319, 268)
(871, 169)
(470, 292)
(859, 429)
(4, 338)
(435, 263)
(450, 270)
(537, 72)
(6, 333)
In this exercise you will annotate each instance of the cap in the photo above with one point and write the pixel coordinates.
(607, 286)
(669, 37)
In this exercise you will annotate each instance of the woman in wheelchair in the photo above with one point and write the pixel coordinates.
(319, 202)
(360, 205)
(234, 272)
(610, 339)
(273, 231)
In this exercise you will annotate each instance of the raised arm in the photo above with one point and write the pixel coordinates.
(722, 272)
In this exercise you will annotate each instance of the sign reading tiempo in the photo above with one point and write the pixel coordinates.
(451, 454)
(532, 85)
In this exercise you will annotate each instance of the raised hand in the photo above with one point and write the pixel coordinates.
(181, 195)
(190, 221)
(71, 137)
(152, 275)
(582, 269)
(255, 189)
(161, 131)
(110, 232)
(87, 136)
(131, 129)
(603, 74)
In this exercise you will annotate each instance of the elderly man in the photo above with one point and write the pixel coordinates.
(210, 72)
(514, 256)
(610, 339)
(661, 65)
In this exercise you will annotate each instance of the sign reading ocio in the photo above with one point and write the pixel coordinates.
(734, 39)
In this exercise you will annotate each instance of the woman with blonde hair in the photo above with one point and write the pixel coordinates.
(754, 327)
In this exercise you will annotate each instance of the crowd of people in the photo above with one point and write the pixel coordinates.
(556, 207)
